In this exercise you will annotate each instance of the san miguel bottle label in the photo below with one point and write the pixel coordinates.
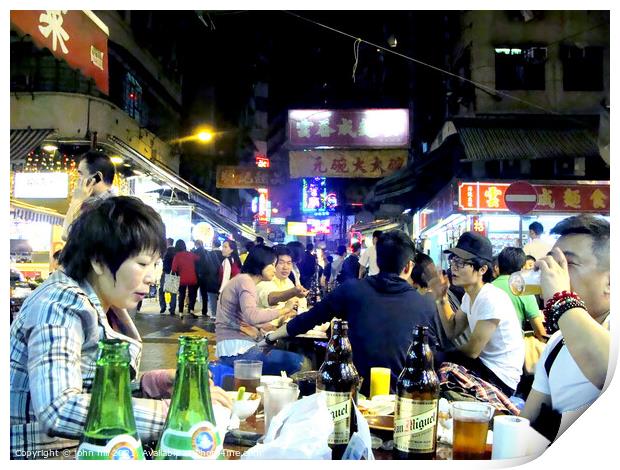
(202, 441)
(339, 405)
(122, 447)
(414, 425)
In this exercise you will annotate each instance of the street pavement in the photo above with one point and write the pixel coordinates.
(160, 334)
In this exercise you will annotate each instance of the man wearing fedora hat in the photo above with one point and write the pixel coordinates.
(495, 351)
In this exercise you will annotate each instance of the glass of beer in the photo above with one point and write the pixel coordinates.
(525, 283)
(471, 424)
(277, 396)
(247, 374)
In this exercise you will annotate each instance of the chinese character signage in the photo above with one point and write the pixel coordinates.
(49, 185)
(262, 161)
(238, 177)
(297, 228)
(346, 164)
(313, 194)
(377, 128)
(75, 36)
(316, 226)
(551, 197)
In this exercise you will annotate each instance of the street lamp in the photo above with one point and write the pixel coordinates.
(202, 135)
(205, 136)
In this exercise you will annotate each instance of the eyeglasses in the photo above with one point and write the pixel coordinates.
(458, 263)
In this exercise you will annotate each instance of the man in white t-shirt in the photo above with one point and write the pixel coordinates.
(495, 350)
(537, 247)
(368, 260)
(281, 288)
(572, 370)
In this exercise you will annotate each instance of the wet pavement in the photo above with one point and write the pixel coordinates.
(160, 333)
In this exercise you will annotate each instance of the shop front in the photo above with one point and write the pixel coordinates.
(481, 206)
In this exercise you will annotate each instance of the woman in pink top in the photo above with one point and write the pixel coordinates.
(184, 264)
(238, 318)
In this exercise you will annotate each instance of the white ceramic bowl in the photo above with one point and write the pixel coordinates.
(269, 379)
(245, 408)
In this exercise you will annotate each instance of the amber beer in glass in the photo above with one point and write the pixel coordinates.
(471, 424)
(415, 416)
(525, 283)
(338, 379)
(247, 374)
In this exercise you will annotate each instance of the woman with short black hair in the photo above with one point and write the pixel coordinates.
(108, 265)
(238, 319)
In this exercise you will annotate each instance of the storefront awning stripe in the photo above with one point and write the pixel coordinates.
(30, 213)
(25, 140)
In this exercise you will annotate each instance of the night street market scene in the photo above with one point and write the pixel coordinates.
(308, 234)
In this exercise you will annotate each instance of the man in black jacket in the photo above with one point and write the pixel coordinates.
(167, 268)
(307, 267)
(351, 265)
(382, 311)
(209, 281)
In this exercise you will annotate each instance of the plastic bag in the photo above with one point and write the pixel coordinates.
(299, 431)
(360, 445)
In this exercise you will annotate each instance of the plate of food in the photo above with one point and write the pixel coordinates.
(380, 423)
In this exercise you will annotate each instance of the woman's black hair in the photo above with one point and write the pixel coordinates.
(259, 257)
(180, 246)
(297, 250)
(111, 232)
(235, 253)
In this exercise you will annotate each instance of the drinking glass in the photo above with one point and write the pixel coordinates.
(471, 424)
(277, 396)
(525, 283)
(247, 374)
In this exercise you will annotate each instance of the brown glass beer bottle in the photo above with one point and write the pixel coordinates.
(338, 379)
(415, 416)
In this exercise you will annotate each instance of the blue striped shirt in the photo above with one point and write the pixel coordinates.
(53, 349)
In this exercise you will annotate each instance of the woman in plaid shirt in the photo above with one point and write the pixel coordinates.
(108, 265)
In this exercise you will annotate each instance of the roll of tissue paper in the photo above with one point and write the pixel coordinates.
(510, 437)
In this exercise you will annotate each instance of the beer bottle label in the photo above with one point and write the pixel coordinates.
(122, 447)
(202, 441)
(339, 405)
(414, 425)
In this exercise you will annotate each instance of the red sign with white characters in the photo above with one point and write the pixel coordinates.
(76, 36)
(521, 197)
(567, 197)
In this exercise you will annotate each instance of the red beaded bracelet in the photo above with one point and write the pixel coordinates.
(558, 296)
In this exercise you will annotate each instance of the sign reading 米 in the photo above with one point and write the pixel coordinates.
(378, 128)
(346, 163)
(75, 36)
(490, 197)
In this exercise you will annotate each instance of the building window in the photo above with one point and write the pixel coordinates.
(520, 68)
(583, 68)
(132, 99)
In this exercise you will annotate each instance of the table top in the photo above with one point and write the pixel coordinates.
(256, 423)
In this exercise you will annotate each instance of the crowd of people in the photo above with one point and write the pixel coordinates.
(489, 344)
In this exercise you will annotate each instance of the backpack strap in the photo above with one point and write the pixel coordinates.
(552, 356)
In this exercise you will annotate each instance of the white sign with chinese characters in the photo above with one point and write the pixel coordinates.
(49, 185)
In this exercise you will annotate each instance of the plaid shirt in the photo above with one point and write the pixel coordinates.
(53, 349)
(456, 377)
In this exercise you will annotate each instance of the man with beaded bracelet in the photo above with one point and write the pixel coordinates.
(575, 282)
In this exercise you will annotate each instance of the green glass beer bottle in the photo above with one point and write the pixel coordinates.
(110, 431)
(190, 432)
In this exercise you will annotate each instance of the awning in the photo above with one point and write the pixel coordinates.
(25, 140)
(30, 213)
(213, 209)
(383, 225)
(527, 137)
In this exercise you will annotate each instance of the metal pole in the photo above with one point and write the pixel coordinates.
(520, 244)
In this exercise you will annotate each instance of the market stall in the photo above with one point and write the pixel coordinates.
(481, 206)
